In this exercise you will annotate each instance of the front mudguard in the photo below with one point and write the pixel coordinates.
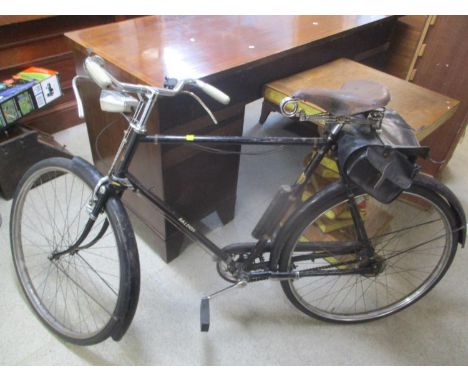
(128, 303)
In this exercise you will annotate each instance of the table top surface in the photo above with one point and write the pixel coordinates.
(152, 47)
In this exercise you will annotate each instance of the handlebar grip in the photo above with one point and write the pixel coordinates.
(213, 92)
(98, 73)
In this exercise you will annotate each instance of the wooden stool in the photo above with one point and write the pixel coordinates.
(423, 109)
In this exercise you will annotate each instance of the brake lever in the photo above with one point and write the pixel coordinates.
(200, 101)
(79, 103)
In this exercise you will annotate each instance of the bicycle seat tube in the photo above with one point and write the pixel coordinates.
(297, 190)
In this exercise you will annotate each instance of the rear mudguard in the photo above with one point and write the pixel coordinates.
(128, 303)
(450, 198)
(338, 188)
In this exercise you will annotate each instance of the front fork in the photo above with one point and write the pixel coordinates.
(95, 206)
(107, 185)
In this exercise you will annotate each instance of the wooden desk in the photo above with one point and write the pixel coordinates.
(238, 54)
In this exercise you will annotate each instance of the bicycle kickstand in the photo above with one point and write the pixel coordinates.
(205, 305)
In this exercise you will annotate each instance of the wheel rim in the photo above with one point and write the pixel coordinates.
(76, 294)
(412, 235)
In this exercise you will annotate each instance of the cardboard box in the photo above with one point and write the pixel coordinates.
(27, 91)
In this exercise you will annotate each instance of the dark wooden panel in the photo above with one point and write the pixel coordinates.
(442, 68)
(5, 20)
(22, 43)
(13, 161)
(407, 36)
(40, 41)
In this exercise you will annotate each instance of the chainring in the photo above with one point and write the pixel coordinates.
(239, 259)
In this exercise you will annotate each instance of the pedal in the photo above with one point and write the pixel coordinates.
(205, 314)
(205, 305)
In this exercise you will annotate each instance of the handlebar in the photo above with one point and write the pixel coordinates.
(94, 66)
(211, 91)
(97, 73)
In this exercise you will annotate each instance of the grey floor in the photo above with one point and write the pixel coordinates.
(251, 326)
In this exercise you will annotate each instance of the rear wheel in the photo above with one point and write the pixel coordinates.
(414, 243)
(82, 295)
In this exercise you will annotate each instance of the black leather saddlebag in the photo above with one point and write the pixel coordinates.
(382, 163)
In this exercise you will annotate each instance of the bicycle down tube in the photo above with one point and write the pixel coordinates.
(173, 216)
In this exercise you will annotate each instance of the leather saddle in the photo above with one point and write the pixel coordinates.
(354, 97)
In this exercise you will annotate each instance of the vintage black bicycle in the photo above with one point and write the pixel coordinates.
(361, 248)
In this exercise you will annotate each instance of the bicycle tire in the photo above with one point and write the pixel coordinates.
(332, 298)
(97, 288)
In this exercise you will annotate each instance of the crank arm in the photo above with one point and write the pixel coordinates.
(205, 304)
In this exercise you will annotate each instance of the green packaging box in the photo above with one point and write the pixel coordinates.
(25, 92)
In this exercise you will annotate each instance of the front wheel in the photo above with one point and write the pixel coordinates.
(85, 295)
(414, 241)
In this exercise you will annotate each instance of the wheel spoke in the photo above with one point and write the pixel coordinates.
(412, 238)
(76, 293)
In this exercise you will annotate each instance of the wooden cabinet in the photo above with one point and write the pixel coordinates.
(40, 41)
(406, 44)
(432, 51)
(442, 68)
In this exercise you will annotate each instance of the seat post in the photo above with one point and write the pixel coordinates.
(310, 168)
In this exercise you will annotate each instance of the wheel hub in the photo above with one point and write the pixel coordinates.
(375, 266)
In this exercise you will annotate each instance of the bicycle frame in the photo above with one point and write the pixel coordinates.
(119, 178)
